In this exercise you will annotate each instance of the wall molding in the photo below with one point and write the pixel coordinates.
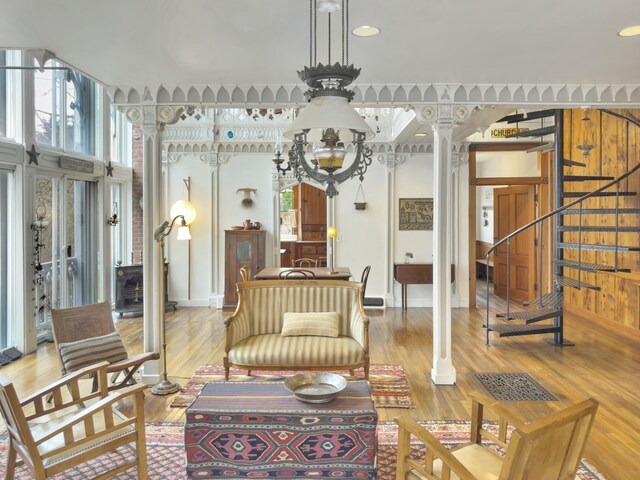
(382, 95)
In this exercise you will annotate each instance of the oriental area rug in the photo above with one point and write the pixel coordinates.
(166, 457)
(389, 387)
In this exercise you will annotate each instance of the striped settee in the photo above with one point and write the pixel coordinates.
(253, 340)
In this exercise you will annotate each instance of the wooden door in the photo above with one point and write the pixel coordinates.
(313, 212)
(242, 248)
(514, 207)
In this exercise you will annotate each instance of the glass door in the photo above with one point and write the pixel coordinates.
(6, 212)
(66, 255)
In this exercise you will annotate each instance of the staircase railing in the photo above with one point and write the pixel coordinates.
(540, 221)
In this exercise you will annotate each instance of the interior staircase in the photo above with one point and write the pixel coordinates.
(544, 314)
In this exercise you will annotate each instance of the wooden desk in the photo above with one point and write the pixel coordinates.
(321, 273)
(414, 274)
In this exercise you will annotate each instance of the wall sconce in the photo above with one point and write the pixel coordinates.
(113, 220)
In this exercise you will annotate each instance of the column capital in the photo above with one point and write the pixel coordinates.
(442, 115)
(392, 159)
(215, 159)
(459, 154)
(152, 118)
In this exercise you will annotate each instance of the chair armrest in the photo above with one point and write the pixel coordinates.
(237, 327)
(132, 361)
(432, 443)
(106, 405)
(504, 413)
(359, 326)
(99, 369)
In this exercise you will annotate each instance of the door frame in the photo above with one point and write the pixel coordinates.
(544, 182)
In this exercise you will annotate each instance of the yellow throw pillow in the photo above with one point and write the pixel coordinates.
(320, 324)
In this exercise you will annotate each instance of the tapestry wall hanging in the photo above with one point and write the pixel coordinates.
(416, 214)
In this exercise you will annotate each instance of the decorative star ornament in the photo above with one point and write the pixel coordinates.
(109, 169)
(33, 155)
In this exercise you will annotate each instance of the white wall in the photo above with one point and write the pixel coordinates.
(362, 232)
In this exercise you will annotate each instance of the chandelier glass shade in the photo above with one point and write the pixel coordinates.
(328, 124)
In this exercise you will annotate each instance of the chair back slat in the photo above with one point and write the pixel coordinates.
(551, 448)
(80, 323)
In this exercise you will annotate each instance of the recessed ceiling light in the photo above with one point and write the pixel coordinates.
(630, 31)
(421, 134)
(366, 31)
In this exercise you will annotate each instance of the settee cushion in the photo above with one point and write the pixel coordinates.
(301, 351)
(321, 324)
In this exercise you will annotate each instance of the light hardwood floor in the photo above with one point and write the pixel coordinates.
(603, 364)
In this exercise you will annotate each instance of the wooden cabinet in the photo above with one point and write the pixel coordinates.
(242, 248)
(129, 297)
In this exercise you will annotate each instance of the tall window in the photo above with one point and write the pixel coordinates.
(10, 95)
(68, 110)
(6, 182)
(121, 138)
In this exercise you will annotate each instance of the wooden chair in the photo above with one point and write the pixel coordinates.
(546, 449)
(321, 262)
(50, 439)
(297, 275)
(364, 279)
(90, 321)
(245, 273)
(304, 262)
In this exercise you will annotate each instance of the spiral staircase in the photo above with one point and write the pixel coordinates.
(579, 227)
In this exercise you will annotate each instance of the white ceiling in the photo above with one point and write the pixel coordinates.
(243, 42)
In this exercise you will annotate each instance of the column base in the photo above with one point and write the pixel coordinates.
(443, 378)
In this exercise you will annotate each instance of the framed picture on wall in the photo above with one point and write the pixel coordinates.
(416, 214)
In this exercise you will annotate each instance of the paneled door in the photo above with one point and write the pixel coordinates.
(514, 207)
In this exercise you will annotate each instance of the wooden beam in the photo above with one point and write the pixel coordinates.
(508, 180)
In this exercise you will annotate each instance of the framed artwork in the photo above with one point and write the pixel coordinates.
(416, 214)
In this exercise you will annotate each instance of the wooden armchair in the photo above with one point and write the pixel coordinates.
(298, 274)
(245, 273)
(51, 438)
(91, 321)
(546, 449)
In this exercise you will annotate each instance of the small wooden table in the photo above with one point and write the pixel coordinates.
(321, 273)
(415, 274)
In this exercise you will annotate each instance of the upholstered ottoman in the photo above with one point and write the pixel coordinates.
(259, 430)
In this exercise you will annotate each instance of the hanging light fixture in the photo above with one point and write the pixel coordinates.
(328, 122)
(586, 135)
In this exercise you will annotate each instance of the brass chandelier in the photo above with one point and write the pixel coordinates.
(328, 122)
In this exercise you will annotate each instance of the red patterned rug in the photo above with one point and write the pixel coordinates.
(389, 387)
(166, 459)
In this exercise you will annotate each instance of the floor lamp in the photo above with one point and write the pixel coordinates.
(332, 233)
(166, 387)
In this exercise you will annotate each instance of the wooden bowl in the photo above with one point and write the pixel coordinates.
(237, 227)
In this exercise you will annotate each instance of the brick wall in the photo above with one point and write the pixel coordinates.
(137, 194)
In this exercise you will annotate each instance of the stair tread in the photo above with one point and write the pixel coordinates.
(531, 315)
(537, 132)
(521, 117)
(601, 211)
(573, 283)
(599, 194)
(582, 178)
(550, 299)
(603, 248)
(598, 228)
(573, 163)
(590, 267)
(512, 329)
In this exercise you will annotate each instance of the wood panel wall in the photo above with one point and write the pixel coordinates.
(617, 150)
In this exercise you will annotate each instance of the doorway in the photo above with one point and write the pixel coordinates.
(67, 250)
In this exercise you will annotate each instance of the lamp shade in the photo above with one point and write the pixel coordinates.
(185, 208)
(324, 112)
(184, 233)
(332, 232)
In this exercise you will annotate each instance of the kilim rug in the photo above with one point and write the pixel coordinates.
(166, 458)
(389, 387)
(513, 386)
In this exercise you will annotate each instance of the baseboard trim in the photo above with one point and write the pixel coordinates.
(599, 321)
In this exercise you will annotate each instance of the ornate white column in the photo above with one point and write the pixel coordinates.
(390, 160)
(215, 161)
(152, 119)
(443, 119)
